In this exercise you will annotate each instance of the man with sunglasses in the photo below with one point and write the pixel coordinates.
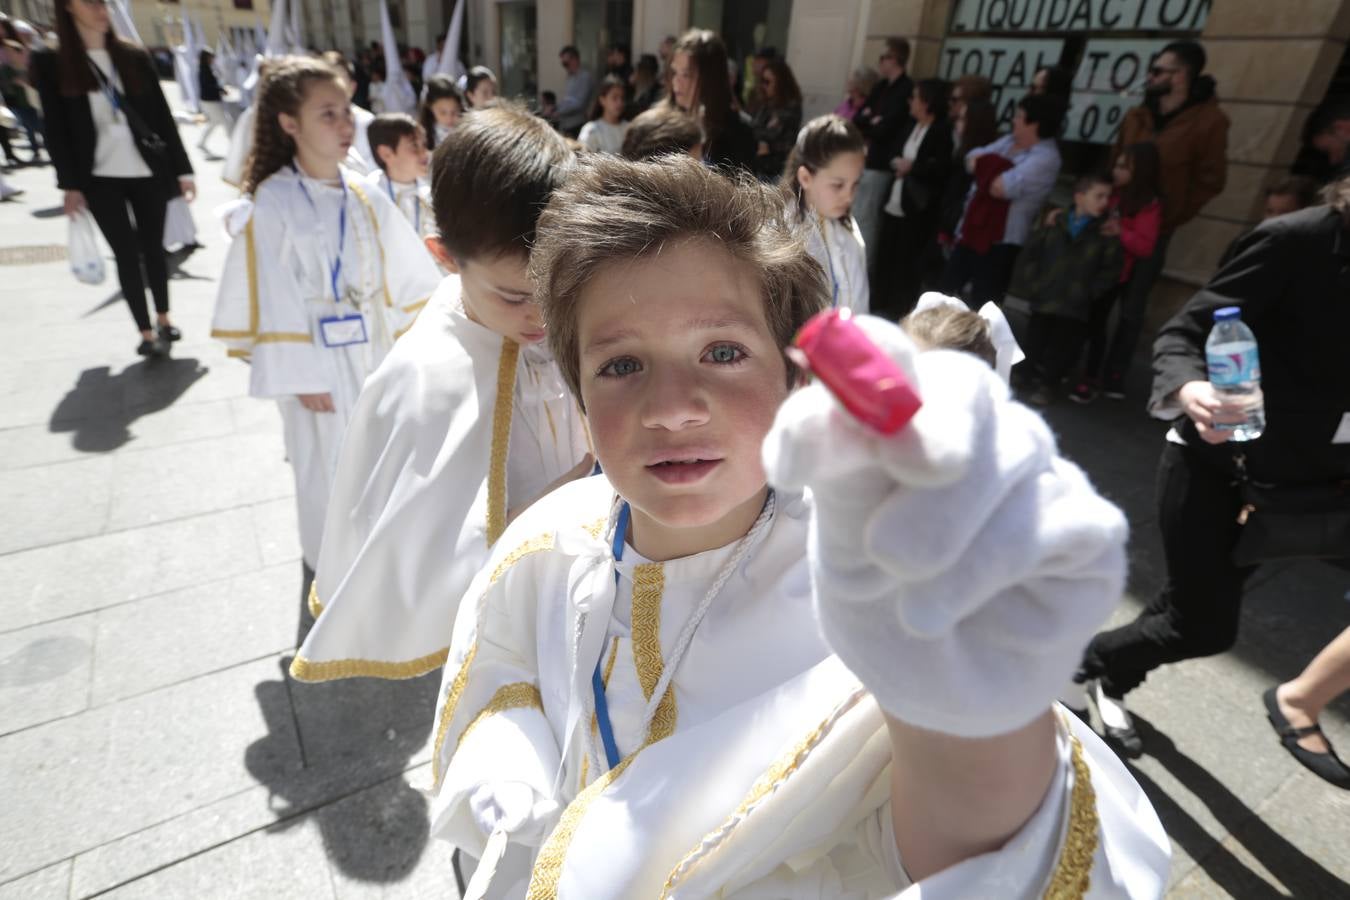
(883, 118)
(1180, 114)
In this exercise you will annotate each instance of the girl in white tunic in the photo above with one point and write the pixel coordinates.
(465, 423)
(639, 701)
(322, 279)
(822, 175)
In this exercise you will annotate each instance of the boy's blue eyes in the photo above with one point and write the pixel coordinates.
(718, 354)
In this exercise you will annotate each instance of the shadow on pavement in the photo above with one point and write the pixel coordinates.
(51, 212)
(101, 407)
(1295, 870)
(339, 749)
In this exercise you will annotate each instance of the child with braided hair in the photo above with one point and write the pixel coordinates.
(320, 281)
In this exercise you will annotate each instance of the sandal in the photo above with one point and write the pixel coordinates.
(1327, 766)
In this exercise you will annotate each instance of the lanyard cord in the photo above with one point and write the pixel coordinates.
(108, 88)
(686, 635)
(334, 268)
(417, 202)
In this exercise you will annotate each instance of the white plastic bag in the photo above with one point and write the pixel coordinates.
(86, 258)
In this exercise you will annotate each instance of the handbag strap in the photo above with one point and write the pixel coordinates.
(137, 125)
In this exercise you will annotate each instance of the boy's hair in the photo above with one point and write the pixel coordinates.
(1083, 183)
(491, 178)
(389, 130)
(949, 328)
(661, 130)
(548, 97)
(285, 84)
(1302, 188)
(612, 210)
(823, 138)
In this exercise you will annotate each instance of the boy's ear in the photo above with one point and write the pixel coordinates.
(384, 153)
(441, 254)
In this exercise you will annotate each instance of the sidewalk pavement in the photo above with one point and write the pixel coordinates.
(151, 743)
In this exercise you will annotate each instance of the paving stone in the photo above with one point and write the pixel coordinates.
(54, 503)
(277, 526)
(40, 444)
(255, 414)
(44, 672)
(84, 575)
(378, 844)
(171, 637)
(201, 477)
(287, 861)
(51, 883)
(76, 783)
(372, 720)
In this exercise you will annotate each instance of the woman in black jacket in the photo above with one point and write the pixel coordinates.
(920, 158)
(1291, 279)
(700, 85)
(113, 142)
(777, 120)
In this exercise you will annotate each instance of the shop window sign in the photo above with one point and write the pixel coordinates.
(1008, 40)
(1079, 15)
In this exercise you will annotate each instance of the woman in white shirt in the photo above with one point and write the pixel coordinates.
(114, 144)
(921, 161)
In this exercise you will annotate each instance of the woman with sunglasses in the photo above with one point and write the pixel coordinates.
(114, 144)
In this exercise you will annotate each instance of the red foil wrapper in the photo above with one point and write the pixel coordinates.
(864, 379)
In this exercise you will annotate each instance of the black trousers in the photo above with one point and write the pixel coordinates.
(987, 273)
(134, 246)
(906, 243)
(1054, 344)
(1196, 612)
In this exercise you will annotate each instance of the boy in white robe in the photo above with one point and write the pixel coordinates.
(324, 276)
(400, 148)
(639, 698)
(464, 425)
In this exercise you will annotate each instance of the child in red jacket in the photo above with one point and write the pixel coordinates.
(1136, 218)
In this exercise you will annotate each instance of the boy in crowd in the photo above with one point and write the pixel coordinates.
(638, 701)
(661, 130)
(1065, 268)
(459, 429)
(400, 148)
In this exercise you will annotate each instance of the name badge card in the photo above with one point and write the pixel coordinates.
(343, 331)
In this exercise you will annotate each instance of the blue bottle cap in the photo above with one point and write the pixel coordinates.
(1224, 313)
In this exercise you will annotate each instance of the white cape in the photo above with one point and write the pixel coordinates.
(748, 786)
(422, 493)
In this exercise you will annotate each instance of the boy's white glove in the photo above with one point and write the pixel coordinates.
(960, 566)
(514, 808)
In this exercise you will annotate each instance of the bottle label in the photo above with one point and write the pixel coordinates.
(1233, 364)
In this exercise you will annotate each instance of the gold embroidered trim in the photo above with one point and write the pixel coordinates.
(649, 582)
(315, 607)
(303, 669)
(414, 307)
(595, 528)
(237, 354)
(536, 544)
(1073, 871)
(375, 224)
(501, 441)
(766, 784)
(251, 268)
(519, 695)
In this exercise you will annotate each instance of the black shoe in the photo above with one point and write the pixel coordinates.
(168, 333)
(1326, 766)
(156, 349)
(1117, 723)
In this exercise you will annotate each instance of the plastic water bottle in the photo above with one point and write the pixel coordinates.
(1235, 371)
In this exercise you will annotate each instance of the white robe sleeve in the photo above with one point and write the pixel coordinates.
(491, 727)
(410, 274)
(260, 310)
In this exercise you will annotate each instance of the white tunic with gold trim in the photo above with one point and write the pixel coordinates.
(277, 286)
(412, 199)
(765, 773)
(456, 427)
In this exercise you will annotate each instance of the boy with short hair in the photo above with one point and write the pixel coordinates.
(638, 699)
(1066, 267)
(400, 148)
(463, 425)
(661, 130)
